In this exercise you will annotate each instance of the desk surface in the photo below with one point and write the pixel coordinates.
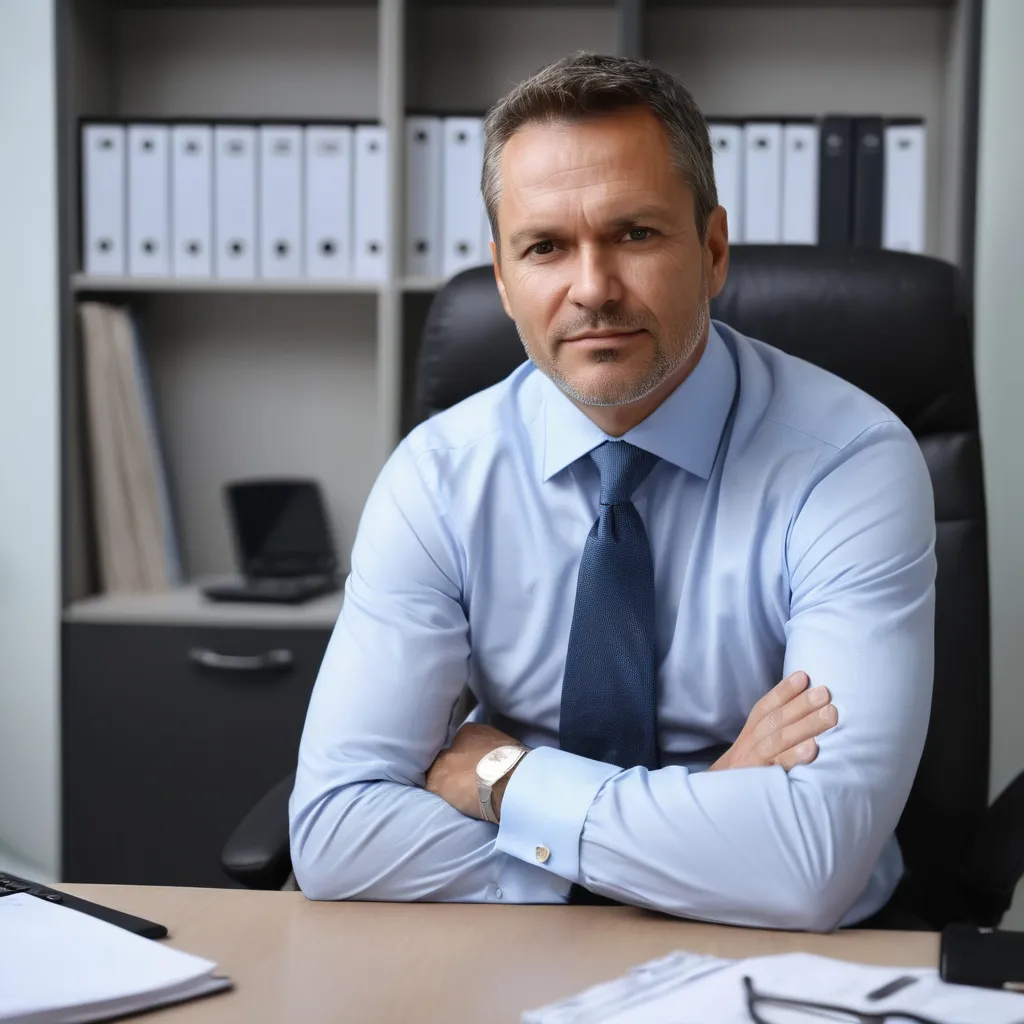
(295, 960)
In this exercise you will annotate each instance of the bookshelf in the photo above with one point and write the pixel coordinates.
(314, 377)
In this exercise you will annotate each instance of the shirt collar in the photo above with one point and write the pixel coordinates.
(684, 430)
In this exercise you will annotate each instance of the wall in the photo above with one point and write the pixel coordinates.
(29, 456)
(999, 340)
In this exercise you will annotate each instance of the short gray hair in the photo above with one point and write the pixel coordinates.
(588, 85)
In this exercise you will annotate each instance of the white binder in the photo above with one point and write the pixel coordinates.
(800, 148)
(104, 196)
(762, 207)
(423, 142)
(191, 200)
(903, 195)
(234, 201)
(727, 153)
(149, 200)
(328, 201)
(280, 208)
(371, 211)
(463, 163)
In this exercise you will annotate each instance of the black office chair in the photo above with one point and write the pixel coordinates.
(897, 326)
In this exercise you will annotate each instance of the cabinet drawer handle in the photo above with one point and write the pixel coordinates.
(278, 660)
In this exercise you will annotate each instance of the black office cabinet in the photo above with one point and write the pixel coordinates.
(170, 735)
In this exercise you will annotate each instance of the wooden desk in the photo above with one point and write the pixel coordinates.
(294, 960)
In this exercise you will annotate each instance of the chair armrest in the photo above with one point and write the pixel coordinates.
(258, 853)
(996, 861)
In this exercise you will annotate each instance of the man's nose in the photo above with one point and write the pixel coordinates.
(595, 279)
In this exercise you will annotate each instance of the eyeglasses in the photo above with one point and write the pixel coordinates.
(768, 1009)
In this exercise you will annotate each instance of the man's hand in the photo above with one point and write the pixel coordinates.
(452, 776)
(782, 727)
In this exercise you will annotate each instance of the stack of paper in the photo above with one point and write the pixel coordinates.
(57, 964)
(687, 988)
(138, 549)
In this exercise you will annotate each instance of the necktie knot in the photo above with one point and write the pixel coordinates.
(623, 468)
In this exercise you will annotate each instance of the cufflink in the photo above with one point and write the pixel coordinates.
(542, 854)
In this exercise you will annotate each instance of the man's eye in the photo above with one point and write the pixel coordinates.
(639, 234)
(542, 248)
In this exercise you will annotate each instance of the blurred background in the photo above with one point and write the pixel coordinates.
(221, 228)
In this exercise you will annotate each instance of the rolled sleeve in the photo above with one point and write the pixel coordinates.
(545, 807)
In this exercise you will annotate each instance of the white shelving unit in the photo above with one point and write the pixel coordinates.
(312, 377)
(85, 284)
(187, 607)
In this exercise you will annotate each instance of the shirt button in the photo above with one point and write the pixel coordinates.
(542, 854)
(497, 894)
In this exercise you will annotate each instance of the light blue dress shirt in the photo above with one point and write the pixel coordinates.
(792, 526)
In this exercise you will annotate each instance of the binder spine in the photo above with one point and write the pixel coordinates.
(836, 193)
(728, 156)
(192, 201)
(903, 204)
(800, 174)
(762, 213)
(104, 199)
(868, 176)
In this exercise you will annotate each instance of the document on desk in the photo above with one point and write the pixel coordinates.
(688, 988)
(59, 965)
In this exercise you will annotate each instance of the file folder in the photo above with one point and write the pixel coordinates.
(280, 207)
(423, 196)
(868, 172)
(903, 200)
(328, 201)
(371, 211)
(727, 152)
(192, 201)
(149, 201)
(762, 206)
(463, 202)
(234, 200)
(104, 198)
(835, 211)
(136, 531)
(800, 146)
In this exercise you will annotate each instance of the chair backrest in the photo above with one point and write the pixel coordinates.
(897, 326)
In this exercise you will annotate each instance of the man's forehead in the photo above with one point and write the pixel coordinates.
(601, 204)
(550, 165)
(612, 165)
(550, 156)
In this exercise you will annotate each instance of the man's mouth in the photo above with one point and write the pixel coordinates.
(603, 339)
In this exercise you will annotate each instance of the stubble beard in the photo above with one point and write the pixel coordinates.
(661, 366)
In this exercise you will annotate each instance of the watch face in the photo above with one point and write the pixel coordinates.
(493, 765)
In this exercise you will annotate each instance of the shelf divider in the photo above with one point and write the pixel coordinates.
(391, 81)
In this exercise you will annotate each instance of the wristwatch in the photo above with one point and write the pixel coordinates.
(491, 769)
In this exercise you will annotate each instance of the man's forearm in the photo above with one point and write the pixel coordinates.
(383, 840)
(753, 847)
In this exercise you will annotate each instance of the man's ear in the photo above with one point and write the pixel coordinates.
(716, 250)
(498, 281)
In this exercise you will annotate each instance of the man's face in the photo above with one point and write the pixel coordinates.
(601, 266)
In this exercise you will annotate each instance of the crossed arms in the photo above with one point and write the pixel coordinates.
(763, 846)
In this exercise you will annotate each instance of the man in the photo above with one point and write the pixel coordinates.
(620, 549)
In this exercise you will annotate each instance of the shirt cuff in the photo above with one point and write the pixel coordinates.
(545, 806)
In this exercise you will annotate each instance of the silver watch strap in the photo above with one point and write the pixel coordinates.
(484, 795)
(484, 792)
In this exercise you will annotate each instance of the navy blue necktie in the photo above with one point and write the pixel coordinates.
(609, 703)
